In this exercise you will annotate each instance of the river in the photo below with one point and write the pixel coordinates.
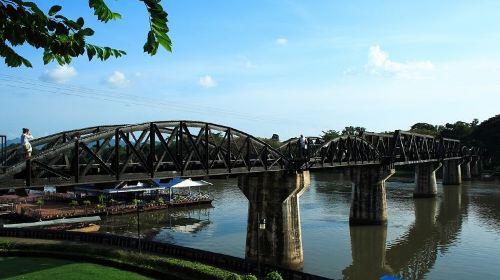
(453, 236)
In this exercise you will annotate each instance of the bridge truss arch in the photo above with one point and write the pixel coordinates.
(15, 154)
(163, 149)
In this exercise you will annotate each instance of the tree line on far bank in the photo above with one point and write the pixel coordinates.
(485, 134)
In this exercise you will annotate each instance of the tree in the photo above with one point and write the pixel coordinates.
(487, 135)
(459, 130)
(73, 204)
(86, 204)
(351, 130)
(61, 38)
(40, 202)
(330, 135)
(426, 129)
(271, 142)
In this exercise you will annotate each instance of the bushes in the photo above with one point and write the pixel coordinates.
(176, 268)
(270, 276)
(273, 276)
(233, 277)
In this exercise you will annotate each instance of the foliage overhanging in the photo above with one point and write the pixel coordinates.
(61, 38)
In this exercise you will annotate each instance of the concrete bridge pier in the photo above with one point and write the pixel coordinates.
(274, 196)
(451, 172)
(368, 202)
(466, 171)
(425, 179)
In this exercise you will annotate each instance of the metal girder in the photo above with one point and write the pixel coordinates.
(168, 149)
(14, 153)
(134, 152)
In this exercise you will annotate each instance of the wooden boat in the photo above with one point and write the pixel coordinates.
(88, 228)
(55, 222)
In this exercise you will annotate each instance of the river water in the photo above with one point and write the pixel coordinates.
(453, 236)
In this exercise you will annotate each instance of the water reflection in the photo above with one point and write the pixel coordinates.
(414, 254)
(456, 233)
(159, 225)
(436, 227)
(368, 253)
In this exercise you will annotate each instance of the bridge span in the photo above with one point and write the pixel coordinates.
(167, 149)
(272, 177)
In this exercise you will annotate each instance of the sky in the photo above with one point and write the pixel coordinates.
(263, 67)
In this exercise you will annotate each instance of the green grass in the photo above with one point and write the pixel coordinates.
(55, 269)
(173, 267)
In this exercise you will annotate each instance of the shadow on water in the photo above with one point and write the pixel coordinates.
(159, 225)
(437, 225)
(420, 231)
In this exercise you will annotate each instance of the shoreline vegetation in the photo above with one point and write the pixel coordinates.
(146, 264)
(40, 268)
(109, 259)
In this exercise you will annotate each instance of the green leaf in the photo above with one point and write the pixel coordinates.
(107, 53)
(26, 62)
(12, 59)
(35, 9)
(90, 52)
(60, 60)
(102, 11)
(116, 16)
(158, 20)
(80, 22)
(99, 53)
(87, 32)
(54, 9)
(164, 40)
(151, 44)
(47, 57)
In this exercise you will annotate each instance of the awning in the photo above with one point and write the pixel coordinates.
(184, 183)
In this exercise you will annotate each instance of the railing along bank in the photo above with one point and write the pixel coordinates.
(215, 259)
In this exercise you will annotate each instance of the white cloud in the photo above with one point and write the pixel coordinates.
(207, 81)
(60, 74)
(249, 63)
(282, 41)
(379, 63)
(118, 79)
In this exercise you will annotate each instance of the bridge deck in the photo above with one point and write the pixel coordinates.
(196, 149)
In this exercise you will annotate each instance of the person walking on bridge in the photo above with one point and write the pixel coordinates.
(25, 143)
(302, 146)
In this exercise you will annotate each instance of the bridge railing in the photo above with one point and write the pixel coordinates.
(14, 153)
(215, 259)
(197, 149)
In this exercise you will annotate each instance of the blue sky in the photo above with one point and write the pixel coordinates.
(264, 67)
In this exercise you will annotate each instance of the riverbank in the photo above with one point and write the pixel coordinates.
(56, 210)
(150, 265)
(60, 269)
(158, 259)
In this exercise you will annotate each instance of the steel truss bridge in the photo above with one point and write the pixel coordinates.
(166, 149)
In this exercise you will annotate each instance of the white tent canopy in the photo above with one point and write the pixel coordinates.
(177, 182)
